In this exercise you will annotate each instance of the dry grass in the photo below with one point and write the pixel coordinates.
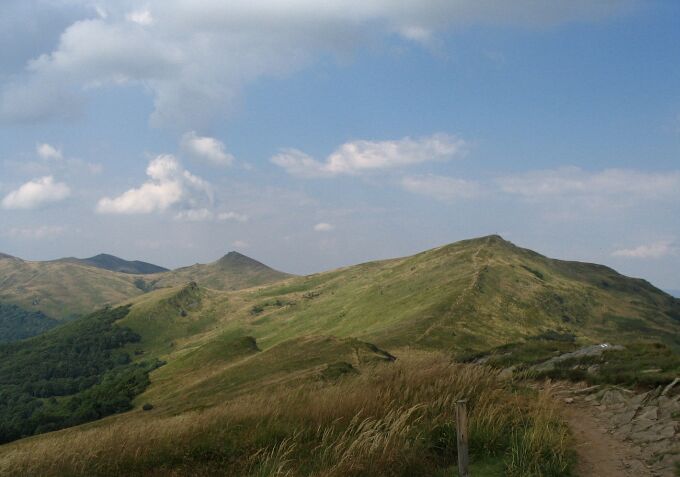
(395, 419)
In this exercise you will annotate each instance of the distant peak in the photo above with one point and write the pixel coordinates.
(235, 258)
(8, 257)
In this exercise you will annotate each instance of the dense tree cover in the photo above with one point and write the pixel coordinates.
(76, 373)
(17, 323)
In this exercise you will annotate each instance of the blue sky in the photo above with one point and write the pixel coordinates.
(312, 137)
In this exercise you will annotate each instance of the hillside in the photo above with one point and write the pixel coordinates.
(233, 271)
(469, 295)
(297, 359)
(18, 324)
(116, 264)
(464, 297)
(62, 289)
(71, 287)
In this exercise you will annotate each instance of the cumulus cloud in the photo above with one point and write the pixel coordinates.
(47, 152)
(323, 227)
(168, 185)
(358, 157)
(197, 56)
(206, 148)
(653, 250)
(441, 187)
(36, 193)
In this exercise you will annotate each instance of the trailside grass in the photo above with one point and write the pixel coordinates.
(394, 418)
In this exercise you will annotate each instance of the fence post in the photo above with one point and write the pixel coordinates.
(462, 434)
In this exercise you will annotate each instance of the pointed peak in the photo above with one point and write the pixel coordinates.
(237, 259)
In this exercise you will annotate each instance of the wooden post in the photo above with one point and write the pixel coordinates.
(462, 433)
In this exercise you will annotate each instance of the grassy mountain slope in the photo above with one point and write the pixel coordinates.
(290, 341)
(116, 264)
(62, 289)
(470, 295)
(70, 287)
(234, 271)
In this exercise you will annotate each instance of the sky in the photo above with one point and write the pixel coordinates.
(312, 135)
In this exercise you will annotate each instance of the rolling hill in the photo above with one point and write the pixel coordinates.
(233, 271)
(72, 287)
(226, 350)
(116, 264)
(62, 289)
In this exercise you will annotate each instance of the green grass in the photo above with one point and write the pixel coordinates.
(383, 421)
(303, 338)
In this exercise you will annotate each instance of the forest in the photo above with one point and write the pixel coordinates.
(73, 374)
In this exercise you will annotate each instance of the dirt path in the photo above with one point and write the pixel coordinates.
(601, 454)
(619, 433)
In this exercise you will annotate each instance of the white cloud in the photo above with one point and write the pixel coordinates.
(653, 250)
(323, 227)
(197, 56)
(140, 17)
(36, 233)
(441, 187)
(168, 185)
(357, 157)
(572, 181)
(206, 148)
(36, 193)
(47, 152)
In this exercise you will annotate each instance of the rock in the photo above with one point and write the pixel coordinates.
(569, 400)
(612, 396)
(588, 390)
(590, 397)
(668, 388)
(624, 417)
(594, 350)
(649, 412)
(640, 425)
(653, 433)
(668, 407)
(639, 398)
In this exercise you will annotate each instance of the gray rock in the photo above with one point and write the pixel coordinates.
(639, 398)
(594, 350)
(668, 388)
(623, 417)
(653, 433)
(640, 425)
(649, 412)
(612, 396)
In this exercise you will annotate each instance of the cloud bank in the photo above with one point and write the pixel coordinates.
(197, 56)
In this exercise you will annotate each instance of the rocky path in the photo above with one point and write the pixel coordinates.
(620, 433)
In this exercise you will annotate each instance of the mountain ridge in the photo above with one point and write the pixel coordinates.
(116, 264)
